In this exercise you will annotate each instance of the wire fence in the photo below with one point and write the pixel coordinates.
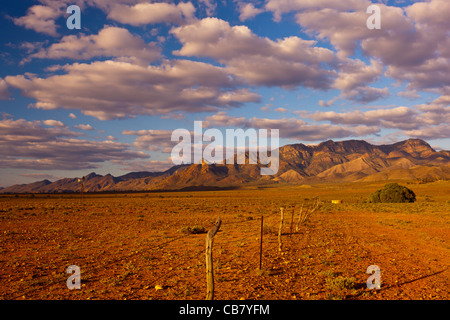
(192, 258)
(46, 282)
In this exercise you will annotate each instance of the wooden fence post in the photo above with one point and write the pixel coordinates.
(300, 215)
(209, 260)
(292, 222)
(261, 244)
(281, 227)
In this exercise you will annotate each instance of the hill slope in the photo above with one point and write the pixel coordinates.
(329, 161)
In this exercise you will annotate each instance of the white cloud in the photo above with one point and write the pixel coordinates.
(40, 19)
(287, 62)
(151, 13)
(152, 140)
(86, 127)
(399, 117)
(53, 123)
(30, 145)
(173, 86)
(294, 129)
(109, 42)
(435, 132)
(221, 119)
(279, 7)
(354, 73)
(248, 11)
(412, 44)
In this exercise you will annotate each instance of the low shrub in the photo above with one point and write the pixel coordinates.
(340, 283)
(193, 230)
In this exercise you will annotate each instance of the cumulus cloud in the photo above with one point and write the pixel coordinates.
(53, 123)
(151, 13)
(399, 117)
(86, 127)
(436, 112)
(279, 7)
(425, 121)
(30, 145)
(345, 28)
(289, 128)
(173, 86)
(355, 73)
(412, 43)
(40, 19)
(287, 62)
(152, 140)
(221, 119)
(281, 110)
(434, 74)
(412, 47)
(433, 132)
(432, 13)
(299, 130)
(353, 79)
(248, 11)
(109, 42)
(22, 130)
(295, 129)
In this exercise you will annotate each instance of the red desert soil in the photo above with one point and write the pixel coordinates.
(128, 244)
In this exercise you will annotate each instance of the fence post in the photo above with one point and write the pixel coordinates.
(209, 260)
(281, 227)
(300, 216)
(261, 244)
(292, 222)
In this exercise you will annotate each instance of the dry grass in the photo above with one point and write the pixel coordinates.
(126, 244)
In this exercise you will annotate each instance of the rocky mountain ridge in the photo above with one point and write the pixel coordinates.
(329, 161)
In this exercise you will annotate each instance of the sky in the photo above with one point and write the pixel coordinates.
(106, 98)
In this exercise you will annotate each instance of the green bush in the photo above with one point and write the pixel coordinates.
(392, 193)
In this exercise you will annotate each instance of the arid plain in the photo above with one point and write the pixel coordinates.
(135, 246)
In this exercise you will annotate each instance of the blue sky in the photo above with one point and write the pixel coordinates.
(106, 98)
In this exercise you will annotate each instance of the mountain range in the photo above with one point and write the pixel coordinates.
(329, 161)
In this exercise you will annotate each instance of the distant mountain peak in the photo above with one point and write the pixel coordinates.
(91, 175)
(348, 160)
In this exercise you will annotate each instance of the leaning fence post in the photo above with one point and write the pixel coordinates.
(209, 260)
(281, 227)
